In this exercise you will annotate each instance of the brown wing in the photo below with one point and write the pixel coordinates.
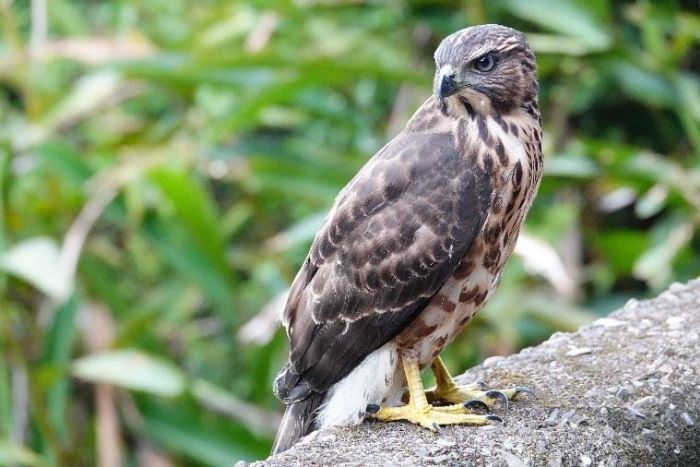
(393, 238)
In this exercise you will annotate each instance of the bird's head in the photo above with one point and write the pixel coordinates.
(490, 62)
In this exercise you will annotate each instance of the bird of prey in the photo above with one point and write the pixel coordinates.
(413, 247)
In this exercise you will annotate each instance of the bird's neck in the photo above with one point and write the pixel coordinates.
(431, 116)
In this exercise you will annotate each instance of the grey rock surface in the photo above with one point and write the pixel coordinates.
(623, 391)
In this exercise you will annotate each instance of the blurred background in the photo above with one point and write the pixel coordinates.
(164, 166)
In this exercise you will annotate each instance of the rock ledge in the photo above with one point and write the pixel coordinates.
(623, 391)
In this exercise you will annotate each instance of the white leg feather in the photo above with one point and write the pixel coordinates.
(377, 380)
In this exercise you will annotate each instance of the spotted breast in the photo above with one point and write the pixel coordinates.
(509, 150)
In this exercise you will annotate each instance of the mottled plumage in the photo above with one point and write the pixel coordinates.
(416, 242)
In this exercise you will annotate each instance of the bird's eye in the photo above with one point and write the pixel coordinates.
(485, 63)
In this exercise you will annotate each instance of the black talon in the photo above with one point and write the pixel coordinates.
(372, 408)
(494, 418)
(476, 405)
(523, 390)
(499, 396)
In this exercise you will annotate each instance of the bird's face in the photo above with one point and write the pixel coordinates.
(486, 62)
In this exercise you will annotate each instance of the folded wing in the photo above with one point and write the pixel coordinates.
(393, 238)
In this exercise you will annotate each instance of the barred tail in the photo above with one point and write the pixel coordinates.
(298, 421)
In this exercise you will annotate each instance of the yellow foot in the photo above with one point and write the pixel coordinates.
(431, 417)
(418, 411)
(475, 396)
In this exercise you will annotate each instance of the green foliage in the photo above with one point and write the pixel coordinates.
(164, 166)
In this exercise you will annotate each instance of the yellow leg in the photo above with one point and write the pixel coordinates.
(447, 390)
(420, 412)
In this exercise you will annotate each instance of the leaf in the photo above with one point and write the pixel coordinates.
(67, 17)
(568, 165)
(655, 265)
(644, 86)
(217, 398)
(90, 92)
(622, 248)
(651, 202)
(184, 254)
(11, 454)
(559, 314)
(69, 164)
(539, 257)
(58, 345)
(197, 212)
(301, 232)
(689, 88)
(131, 369)
(565, 17)
(557, 44)
(206, 442)
(7, 416)
(4, 182)
(37, 261)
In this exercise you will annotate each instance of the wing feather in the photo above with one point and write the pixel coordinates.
(393, 238)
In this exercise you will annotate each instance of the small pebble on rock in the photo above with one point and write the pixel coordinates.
(552, 418)
(675, 322)
(688, 419)
(623, 393)
(575, 352)
(446, 443)
(645, 403)
(609, 322)
(632, 414)
(492, 361)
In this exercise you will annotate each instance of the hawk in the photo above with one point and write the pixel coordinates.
(414, 245)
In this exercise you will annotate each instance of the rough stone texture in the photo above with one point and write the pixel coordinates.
(623, 391)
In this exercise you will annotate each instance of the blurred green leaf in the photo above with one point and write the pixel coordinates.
(196, 439)
(11, 454)
(622, 248)
(566, 17)
(557, 44)
(90, 92)
(655, 265)
(56, 355)
(689, 89)
(652, 202)
(6, 411)
(67, 162)
(197, 213)
(131, 369)
(184, 254)
(37, 260)
(559, 314)
(301, 232)
(643, 85)
(567, 165)
(213, 396)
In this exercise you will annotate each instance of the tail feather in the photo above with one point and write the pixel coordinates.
(298, 421)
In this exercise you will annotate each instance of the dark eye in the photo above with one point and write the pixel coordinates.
(485, 63)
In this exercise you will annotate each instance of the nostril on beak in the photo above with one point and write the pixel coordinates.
(448, 85)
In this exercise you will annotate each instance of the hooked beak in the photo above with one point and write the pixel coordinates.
(448, 85)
